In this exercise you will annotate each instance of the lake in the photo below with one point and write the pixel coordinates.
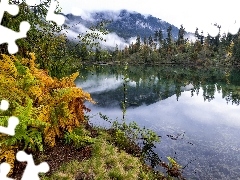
(198, 107)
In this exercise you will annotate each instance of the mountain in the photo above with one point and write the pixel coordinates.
(132, 24)
(124, 23)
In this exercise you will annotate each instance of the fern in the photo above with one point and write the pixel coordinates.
(78, 137)
(47, 107)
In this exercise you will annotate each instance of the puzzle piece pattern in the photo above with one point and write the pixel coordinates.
(12, 121)
(31, 171)
(4, 170)
(9, 36)
(51, 16)
(234, 27)
(10, 130)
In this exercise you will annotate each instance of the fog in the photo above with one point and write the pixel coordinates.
(111, 38)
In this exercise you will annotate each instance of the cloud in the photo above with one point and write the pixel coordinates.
(132, 40)
(110, 15)
(190, 37)
(111, 39)
(83, 13)
(75, 30)
(173, 11)
(102, 83)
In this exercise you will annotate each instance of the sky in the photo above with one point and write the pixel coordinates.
(191, 13)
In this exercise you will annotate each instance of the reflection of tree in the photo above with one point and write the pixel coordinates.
(232, 94)
(157, 83)
(208, 92)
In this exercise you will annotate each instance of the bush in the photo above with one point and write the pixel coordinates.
(47, 107)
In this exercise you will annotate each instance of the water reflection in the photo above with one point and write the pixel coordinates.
(203, 114)
(148, 85)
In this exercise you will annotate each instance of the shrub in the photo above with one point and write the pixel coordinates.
(47, 107)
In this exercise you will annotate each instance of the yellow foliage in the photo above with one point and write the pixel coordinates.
(9, 154)
(7, 66)
(58, 103)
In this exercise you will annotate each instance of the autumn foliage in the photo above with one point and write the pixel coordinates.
(47, 107)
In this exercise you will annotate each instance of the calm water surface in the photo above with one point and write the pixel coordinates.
(198, 106)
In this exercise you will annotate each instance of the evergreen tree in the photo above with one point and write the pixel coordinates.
(217, 38)
(200, 37)
(115, 53)
(160, 37)
(181, 34)
(138, 43)
(155, 36)
(169, 35)
(150, 41)
(145, 41)
(236, 50)
(126, 52)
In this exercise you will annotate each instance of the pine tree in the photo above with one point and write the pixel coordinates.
(181, 34)
(150, 41)
(145, 40)
(160, 37)
(138, 43)
(169, 35)
(155, 36)
(200, 37)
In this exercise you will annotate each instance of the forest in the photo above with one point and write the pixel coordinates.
(38, 81)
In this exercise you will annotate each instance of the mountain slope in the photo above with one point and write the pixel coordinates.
(125, 24)
(133, 24)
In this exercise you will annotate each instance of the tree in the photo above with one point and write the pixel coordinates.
(138, 43)
(126, 52)
(160, 37)
(116, 50)
(97, 55)
(169, 35)
(155, 36)
(40, 31)
(217, 38)
(236, 50)
(52, 49)
(181, 34)
(200, 37)
(150, 41)
(145, 42)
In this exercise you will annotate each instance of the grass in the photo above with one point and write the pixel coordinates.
(107, 162)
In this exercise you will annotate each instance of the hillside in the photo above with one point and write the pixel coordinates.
(124, 24)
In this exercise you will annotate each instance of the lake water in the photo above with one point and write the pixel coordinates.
(198, 106)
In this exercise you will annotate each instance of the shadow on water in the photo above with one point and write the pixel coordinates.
(194, 110)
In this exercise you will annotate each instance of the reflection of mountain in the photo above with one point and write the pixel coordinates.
(151, 84)
(108, 91)
(136, 96)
